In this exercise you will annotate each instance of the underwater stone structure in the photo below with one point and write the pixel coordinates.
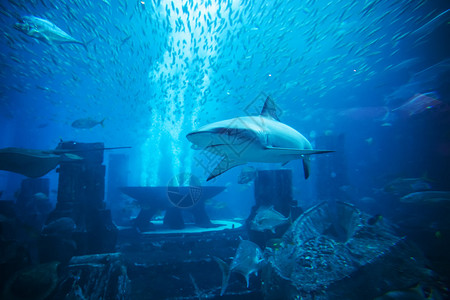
(311, 262)
(81, 199)
(117, 177)
(32, 204)
(273, 188)
(96, 276)
(172, 199)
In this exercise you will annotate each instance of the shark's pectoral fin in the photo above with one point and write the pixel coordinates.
(306, 166)
(285, 163)
(43, 37)
(224, 165)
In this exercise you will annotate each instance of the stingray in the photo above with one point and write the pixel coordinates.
(36, 163)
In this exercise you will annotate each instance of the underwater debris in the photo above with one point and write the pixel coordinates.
(35, 282)
(96, 276)
(310, 260)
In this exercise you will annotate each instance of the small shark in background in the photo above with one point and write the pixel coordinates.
(248, 260)
(260, 138)
(45, 31)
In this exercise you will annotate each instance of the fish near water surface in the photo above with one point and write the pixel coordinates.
(45, 31)
(260, 138)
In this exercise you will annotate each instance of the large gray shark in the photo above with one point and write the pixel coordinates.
(260, 138)
(45, 31)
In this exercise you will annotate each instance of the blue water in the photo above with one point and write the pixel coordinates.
(157, 70)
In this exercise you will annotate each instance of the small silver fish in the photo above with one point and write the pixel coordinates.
(45, 31)
(248, 260)
(61, 226)
(267, 218)
(86, 123)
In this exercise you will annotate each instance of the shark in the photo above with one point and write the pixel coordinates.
(261, 138)
(46, 31)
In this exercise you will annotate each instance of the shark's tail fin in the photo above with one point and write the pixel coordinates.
(225, 274)
(306, 167)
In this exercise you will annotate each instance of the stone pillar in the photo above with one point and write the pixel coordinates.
(32, 208)
(117, 177)
(272, 188)
(32, 203)
(81, 199)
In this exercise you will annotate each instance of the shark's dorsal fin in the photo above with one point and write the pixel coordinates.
(269, 109)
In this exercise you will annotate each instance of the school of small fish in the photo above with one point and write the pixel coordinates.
(163, 65)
